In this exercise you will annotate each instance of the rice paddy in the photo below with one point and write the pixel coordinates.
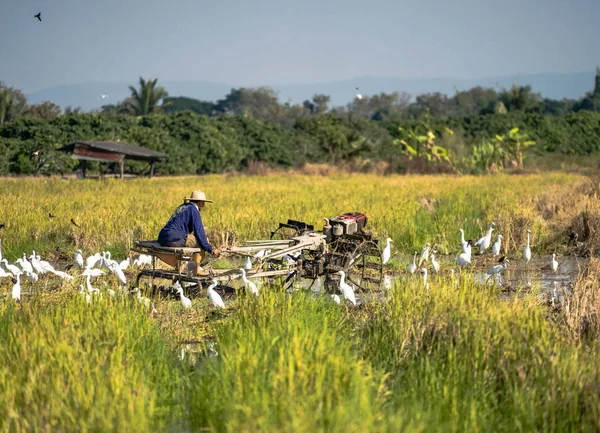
(459, 357)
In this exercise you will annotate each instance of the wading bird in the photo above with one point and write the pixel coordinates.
(249, 284)
(434, 263)
(484, 242)
(496, 247)
(554, 263)
(214, 296)
(527, 249)
(387, 251)
(412, 268)
(346, 289)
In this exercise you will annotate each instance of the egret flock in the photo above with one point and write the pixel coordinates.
(98, 264)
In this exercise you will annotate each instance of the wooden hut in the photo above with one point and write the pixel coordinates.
(112, 151)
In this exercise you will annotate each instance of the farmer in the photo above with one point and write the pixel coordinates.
(185, 229)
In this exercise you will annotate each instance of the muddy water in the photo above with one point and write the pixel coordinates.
(519, 275)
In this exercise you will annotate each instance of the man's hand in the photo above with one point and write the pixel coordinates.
(216, 252)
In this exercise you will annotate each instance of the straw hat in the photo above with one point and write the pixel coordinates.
(197, 196)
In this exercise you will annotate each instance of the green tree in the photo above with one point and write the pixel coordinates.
(521, 98)
(146, 100)
(182, 103)
(46, 110)
(13, 103)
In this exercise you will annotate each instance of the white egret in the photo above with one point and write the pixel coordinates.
(497, 269)
(463, 242)
(116, 270)
(387, 251)
(143, 259)
(36, 264)
(262, 253)
(346, 289)
(484, 242)
(92, 261)
(92, 272)
(249, 284)
(423, 273)
(496, 247)
(25, 265)
(91, 289)
(16, 289)
(554, 263)
(214, 296)
(11, 268)
(435, 264)
(336, 299)
(124, 264)
(3, 273)
(412, 268)
(425, 253)
(185, 301)
(358, 95)
(527, 249)
(78, 257)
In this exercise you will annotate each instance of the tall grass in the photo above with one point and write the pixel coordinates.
(68, 366)
(454, 358)
(412, 210)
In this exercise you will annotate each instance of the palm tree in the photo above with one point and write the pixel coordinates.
(145, 100)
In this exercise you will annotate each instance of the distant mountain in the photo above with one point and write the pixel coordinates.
(550, 85)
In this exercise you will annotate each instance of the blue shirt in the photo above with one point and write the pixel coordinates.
(185, 220)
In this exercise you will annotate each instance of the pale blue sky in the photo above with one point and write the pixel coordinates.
(273, 42)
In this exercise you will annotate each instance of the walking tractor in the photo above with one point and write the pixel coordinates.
(294, 251)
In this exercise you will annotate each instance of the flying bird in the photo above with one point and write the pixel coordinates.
(74, 223)
(38, 16)
(358, 95)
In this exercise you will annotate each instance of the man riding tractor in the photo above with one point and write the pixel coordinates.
(185, 229)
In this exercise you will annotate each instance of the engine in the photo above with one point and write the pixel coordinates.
(345, 224)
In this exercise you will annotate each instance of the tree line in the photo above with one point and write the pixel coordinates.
(477, 130)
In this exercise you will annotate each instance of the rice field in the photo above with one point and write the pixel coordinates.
(459, 357)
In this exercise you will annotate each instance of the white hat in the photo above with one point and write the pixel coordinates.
(197, 196)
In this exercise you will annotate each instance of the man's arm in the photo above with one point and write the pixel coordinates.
(199, 232)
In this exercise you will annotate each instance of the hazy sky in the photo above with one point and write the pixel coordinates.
(272, 42)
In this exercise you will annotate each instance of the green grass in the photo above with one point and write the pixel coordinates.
(455, 358)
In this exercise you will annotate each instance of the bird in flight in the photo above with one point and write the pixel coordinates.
(38, 16)
(74, 223)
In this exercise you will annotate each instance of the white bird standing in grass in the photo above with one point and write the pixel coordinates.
(25, 265)
(185, 301)
(143, 259)
(425, 253)
(497, 270)
(78, 257)
(434, 263)
(214, 296)
(554, 263)
(11, 268)
(124, 264)
(464, 258)
(346, 288)
(412, 268)
(16, 289)
(484, 242)
(423, 273)
(463, 242)
(527, 249)
(36, 264)
(116, 270)
(496, 247)
(336, 299)
(92, 261)
(249, 284)
(387, 251)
